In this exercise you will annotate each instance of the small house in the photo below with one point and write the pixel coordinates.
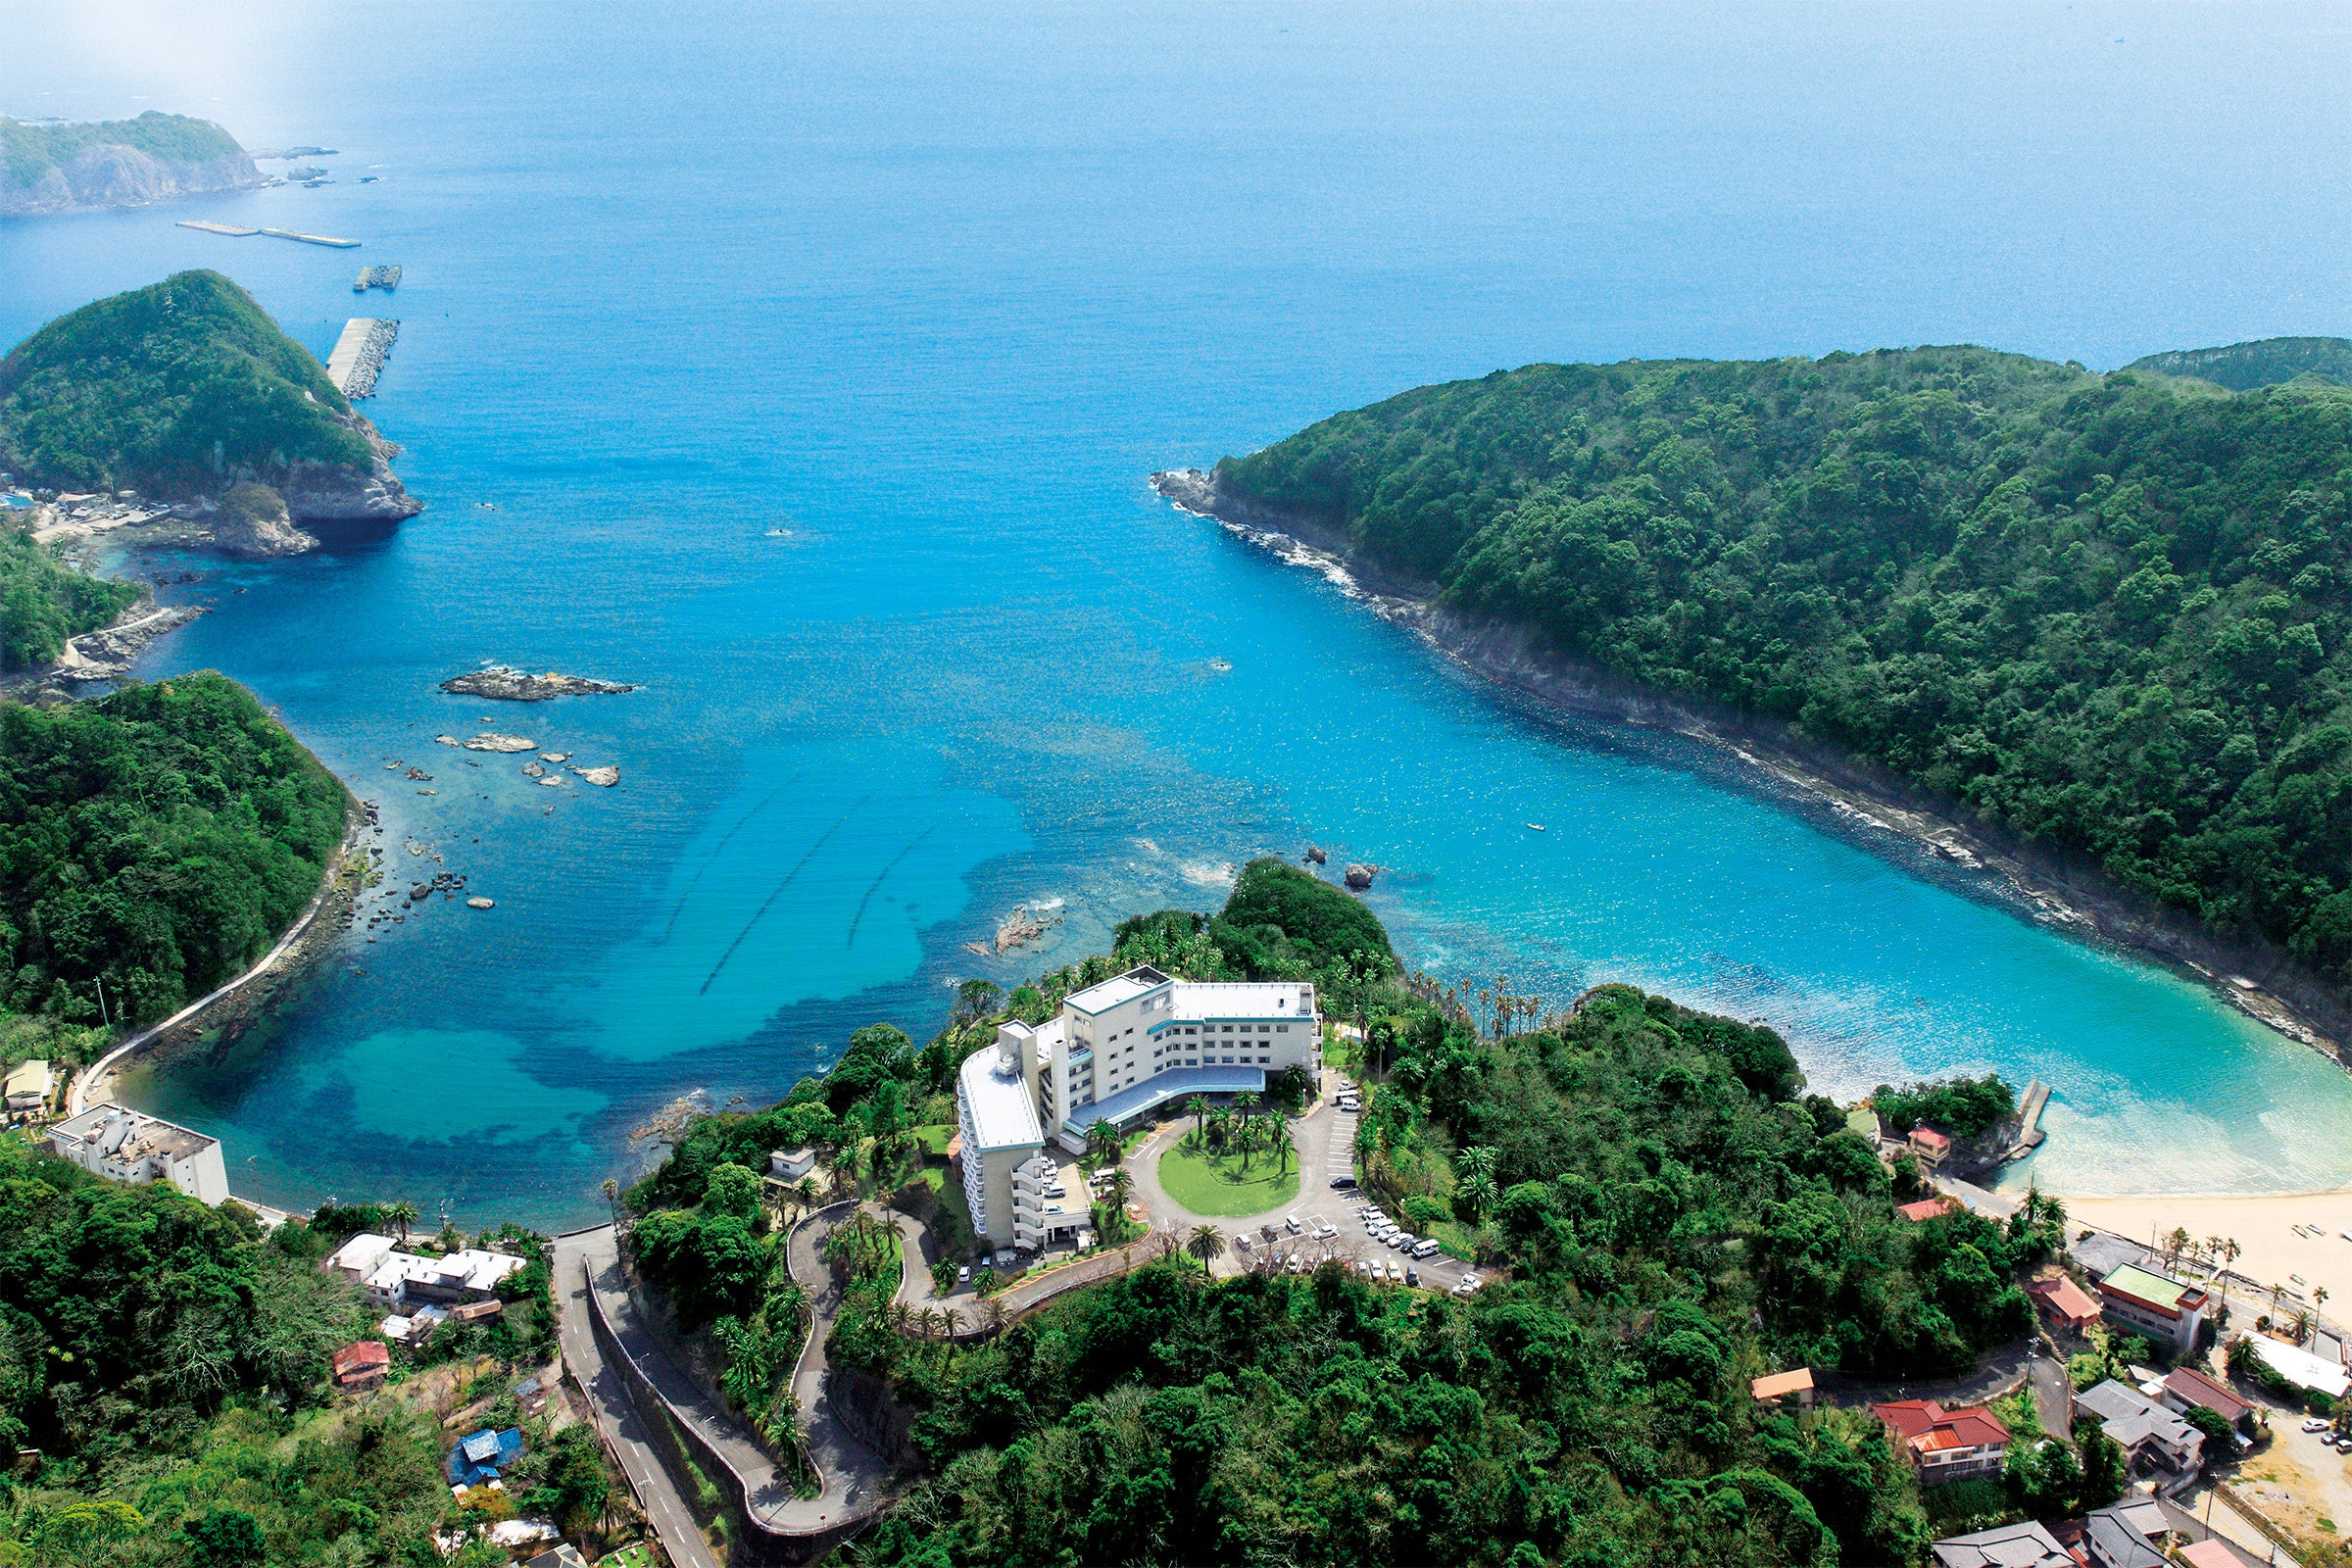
(2065, 1304)
(789, 1165)
(1780, 1385)
(1946, 1444)
(481, 1457)
(1926, 1209)
(30, 1086)
(1931, 1147)
(2152, 1437)
(2185, 1388)
(2025, 1544)
(362, 1364)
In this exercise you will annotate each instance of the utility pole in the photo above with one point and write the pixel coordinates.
(103, 1016)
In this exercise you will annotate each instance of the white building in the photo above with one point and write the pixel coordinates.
(128, 1147)
(404, 1281)
(1117, 1052)
(1123, 1048)
(30, 1086)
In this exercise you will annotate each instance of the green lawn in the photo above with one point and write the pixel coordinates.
(934, 1140)
(1209, 1184)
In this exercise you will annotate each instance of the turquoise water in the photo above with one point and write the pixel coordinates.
(805, 367)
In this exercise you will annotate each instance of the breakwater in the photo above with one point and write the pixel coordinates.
(386, 278)
(359, 355)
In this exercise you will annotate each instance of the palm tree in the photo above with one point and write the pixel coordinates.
(2319, 1296)
(1206, 1243)
(1120, 1181)
(804, 1194)
(403, 1213)
(949, 1320)
(1103, 1145)
(928, 1317)
(1197, 1108)
(901, 1316)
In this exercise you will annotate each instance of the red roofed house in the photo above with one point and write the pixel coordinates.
(1946, 1444)
(1929, 1144)
(2065, 1304)
(2186, 1386)
(1926, 1209)
(362, 1364)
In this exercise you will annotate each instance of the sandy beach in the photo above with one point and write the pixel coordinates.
(2261, 1225)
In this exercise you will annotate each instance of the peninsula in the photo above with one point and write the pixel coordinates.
(187, 391)
(118, 162)
(2102, 622)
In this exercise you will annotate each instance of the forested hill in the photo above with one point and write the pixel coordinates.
(2111, 612)
(159, 839)
(182, 387)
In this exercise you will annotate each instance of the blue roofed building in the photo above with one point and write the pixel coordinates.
(480, 1457)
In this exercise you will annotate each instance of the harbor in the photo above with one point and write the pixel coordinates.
(359, 355)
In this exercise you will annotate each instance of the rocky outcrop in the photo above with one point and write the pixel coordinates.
(1315, 855)
(333, 492)
(500, 743)
(1359, 877)
(253, 521)
(511, 685)
(112, 174)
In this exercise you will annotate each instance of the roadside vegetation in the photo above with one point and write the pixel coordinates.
(2112, 615)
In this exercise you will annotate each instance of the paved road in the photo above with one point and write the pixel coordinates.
(2053, 1394)
(617, 1417)
(850, 1473)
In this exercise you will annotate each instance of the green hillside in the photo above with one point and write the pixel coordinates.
(2110, 613)
(166, 388)
(43, 601)
(159, 839)
(2244, 367)
(31, 151)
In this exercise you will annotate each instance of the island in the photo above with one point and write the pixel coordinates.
(157, 157)
(2092, 630)
(188, 392)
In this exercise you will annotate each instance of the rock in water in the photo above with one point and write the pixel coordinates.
(516, 686)
(603, 777)
(1315, 857)
(480, 903)
(491, 740)
(1359, 877)
(447, 740)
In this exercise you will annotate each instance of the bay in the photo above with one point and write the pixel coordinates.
(805, 363)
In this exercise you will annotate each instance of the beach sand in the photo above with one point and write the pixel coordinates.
(2261, 1225)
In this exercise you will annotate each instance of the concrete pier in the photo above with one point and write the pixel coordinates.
(359, 355)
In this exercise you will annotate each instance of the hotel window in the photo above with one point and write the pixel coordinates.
(1282, 1028)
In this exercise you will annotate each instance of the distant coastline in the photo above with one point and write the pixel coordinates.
(89, 166)
(2265, 986)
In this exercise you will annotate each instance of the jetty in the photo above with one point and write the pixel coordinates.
(386, 278)
(359, 355)
(312, 239)
(210, 228)
(2029, 1135)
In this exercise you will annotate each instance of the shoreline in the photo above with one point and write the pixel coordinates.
(2067, 897)
(297, 949)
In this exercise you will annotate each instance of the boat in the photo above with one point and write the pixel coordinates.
(1535, 827)
(2298, 1279)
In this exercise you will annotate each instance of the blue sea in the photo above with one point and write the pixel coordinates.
(804, 364)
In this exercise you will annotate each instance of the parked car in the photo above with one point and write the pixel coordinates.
(1344, 1183)
(1425, 1248)
(1397, 1238)
(963, 1274)
(1290, 1222)
(1412, 1276)
(2315, 1423)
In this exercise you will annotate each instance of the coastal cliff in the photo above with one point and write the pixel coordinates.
(118, 162)
(185, 390)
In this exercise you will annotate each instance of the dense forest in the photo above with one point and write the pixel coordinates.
(2112, 613)
(159, 839)
(167, 388)
(43, 601)
(1675, 1213)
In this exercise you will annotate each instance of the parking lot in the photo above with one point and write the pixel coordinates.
(1324, 1222)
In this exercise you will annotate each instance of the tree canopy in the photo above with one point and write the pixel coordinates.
(2111, 613)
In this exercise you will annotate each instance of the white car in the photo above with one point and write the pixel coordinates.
(1290, 1222)
(1398, 1239)
(1427, 1247)
(2316, 1423)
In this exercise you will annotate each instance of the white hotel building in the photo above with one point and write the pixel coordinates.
(1118, 1052)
